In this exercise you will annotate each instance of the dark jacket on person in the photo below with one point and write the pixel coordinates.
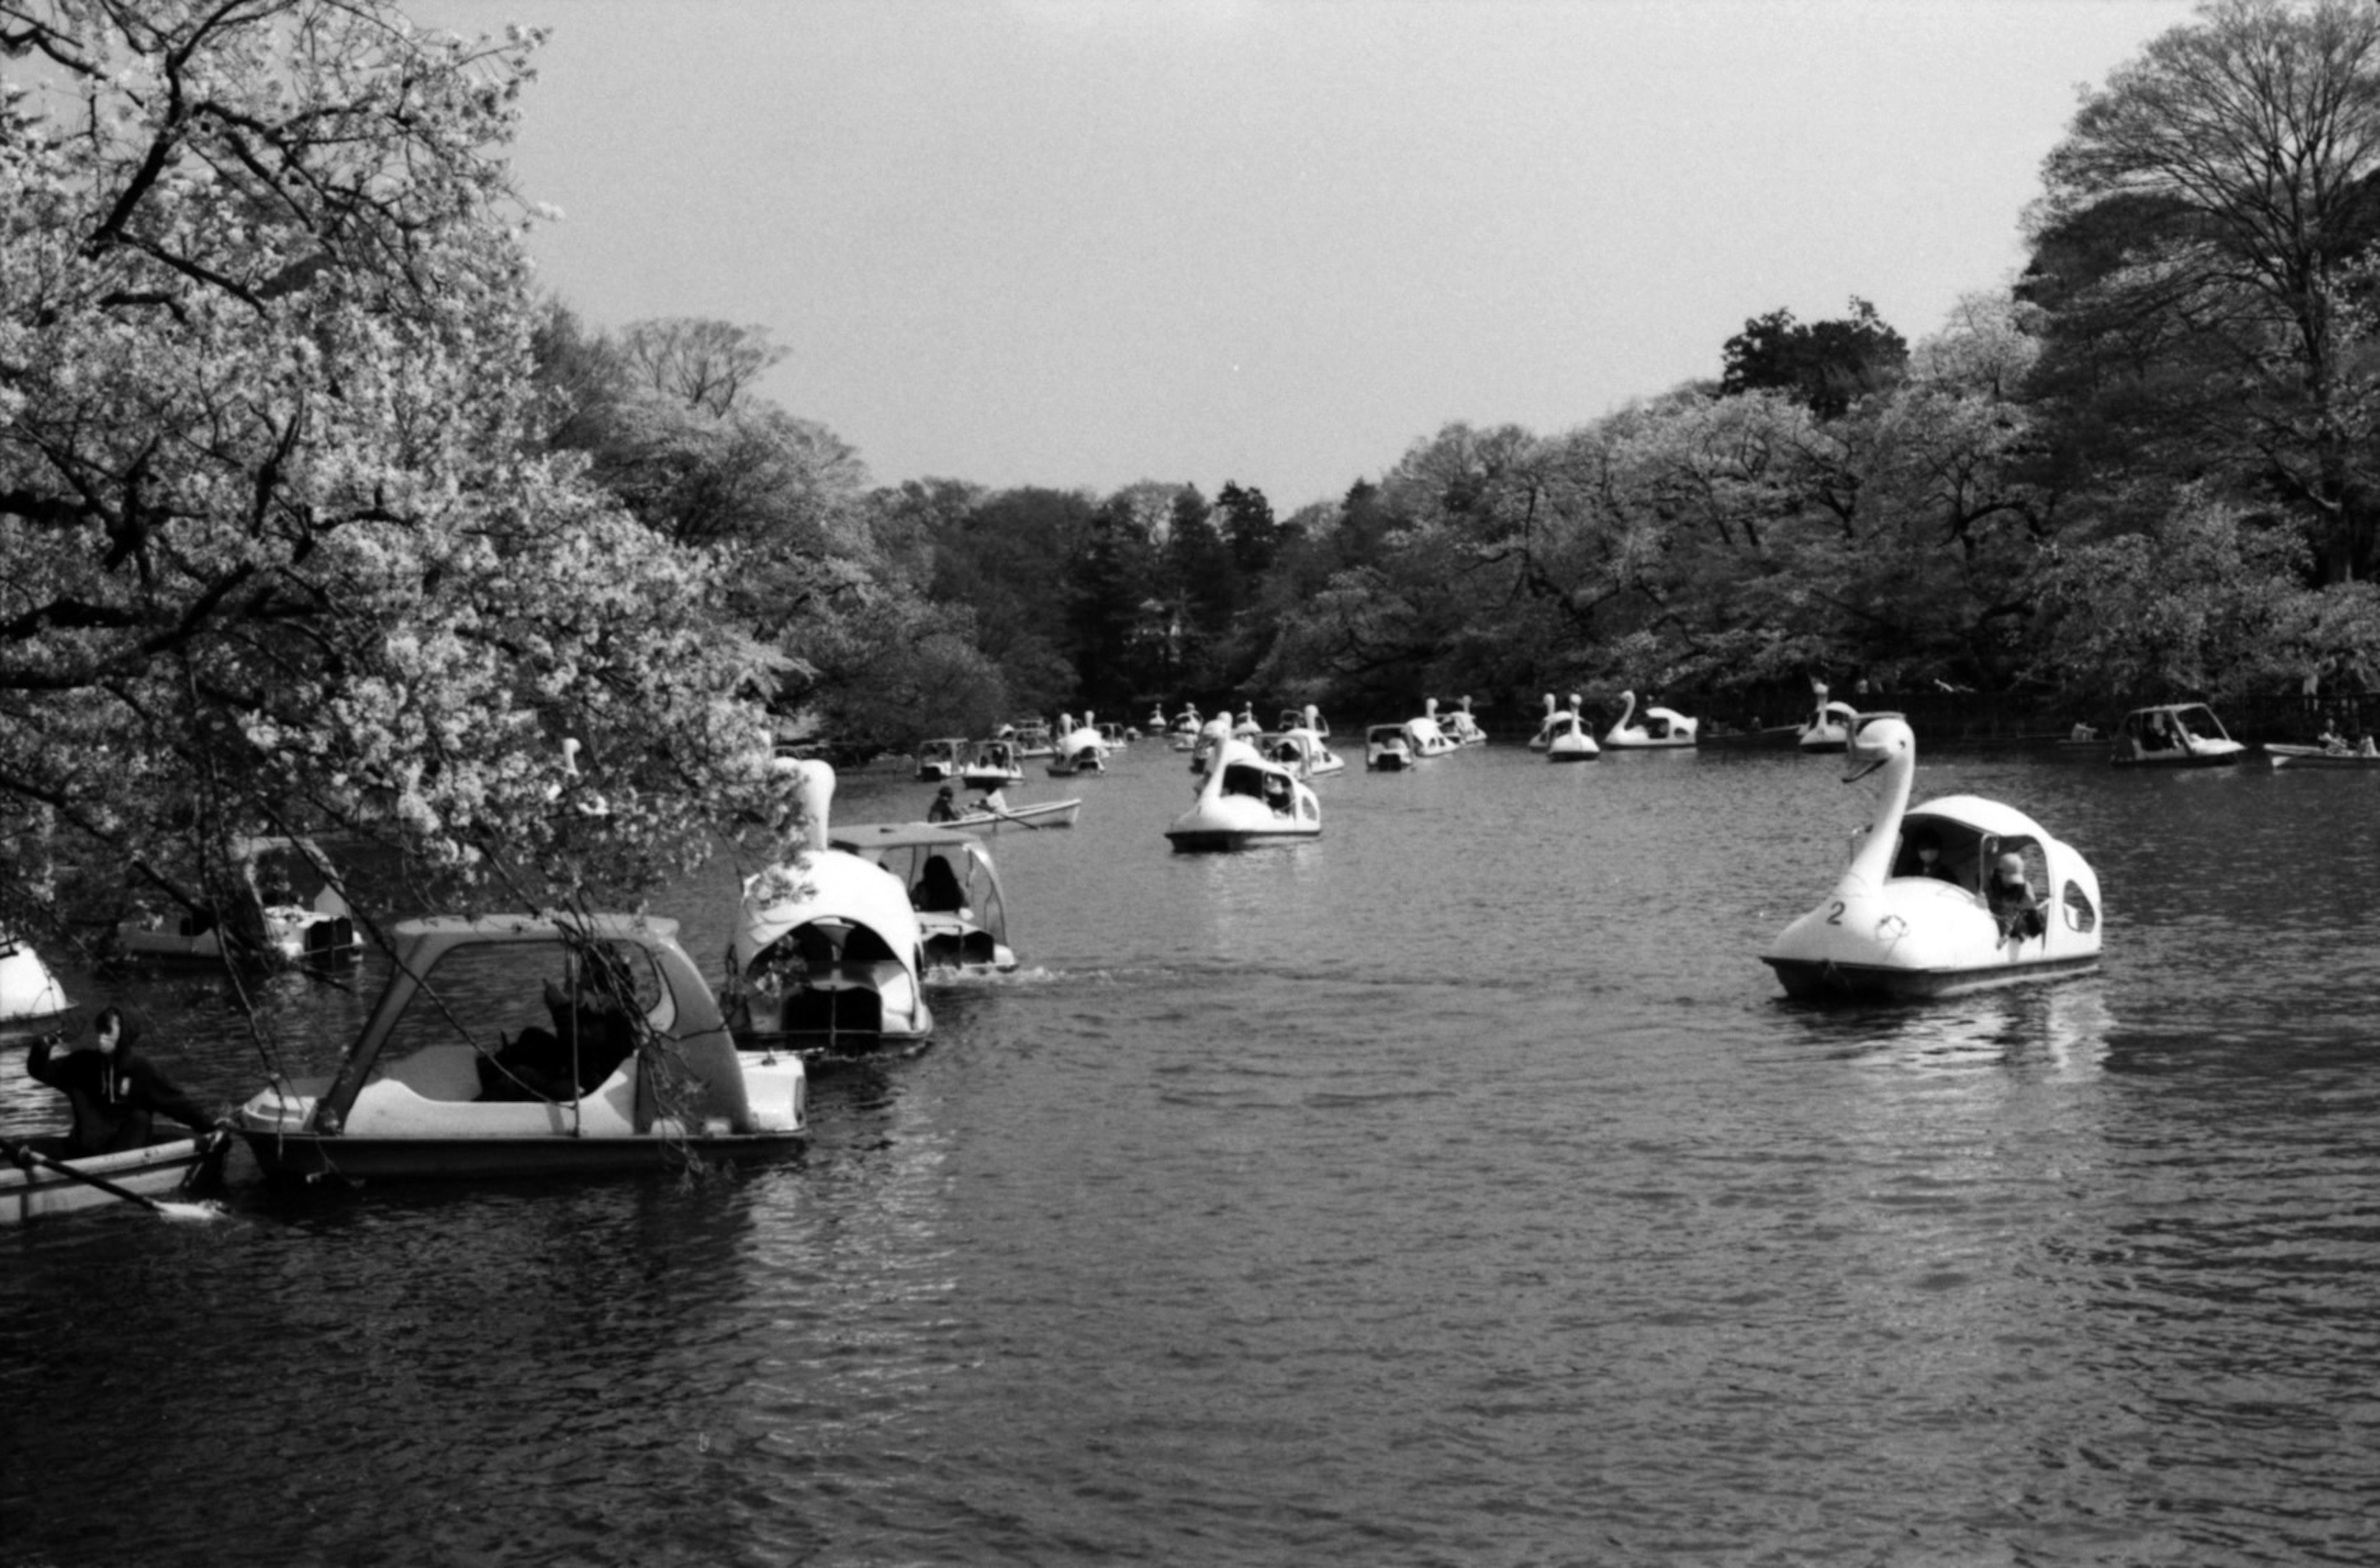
(115, 1095)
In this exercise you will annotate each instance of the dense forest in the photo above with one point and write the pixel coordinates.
(316, 511)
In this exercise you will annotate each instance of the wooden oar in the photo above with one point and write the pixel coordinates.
(26, 1157)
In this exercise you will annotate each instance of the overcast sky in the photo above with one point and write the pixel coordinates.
(1276, 241)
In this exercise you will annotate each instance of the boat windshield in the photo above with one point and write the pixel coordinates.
(489, 995)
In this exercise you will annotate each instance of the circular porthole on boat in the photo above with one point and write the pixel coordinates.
(2080, 915)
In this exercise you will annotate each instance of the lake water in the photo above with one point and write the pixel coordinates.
(1455, 1189)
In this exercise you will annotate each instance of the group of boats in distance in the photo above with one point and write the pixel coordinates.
(568, 1041)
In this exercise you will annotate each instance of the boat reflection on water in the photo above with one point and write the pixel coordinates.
(2066, 1027)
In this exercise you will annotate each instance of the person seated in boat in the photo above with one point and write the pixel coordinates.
(1925, 858)
(938, 891)
(1277, 794)
(2012, 900)
(592, 1033)
(993, 801)
(115, 1092)
(2330, 740)
(943, 810)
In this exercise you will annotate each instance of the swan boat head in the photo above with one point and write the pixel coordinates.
(1915, 913)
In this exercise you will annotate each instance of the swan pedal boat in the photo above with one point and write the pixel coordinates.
(1567, 739)
(294, 912)
(938, 761)
(1424, 736)
(444, 1082)
(1829, 728)
(1889, 932)
(1663, 729)
(1245, 799)
(164, 1169)
(28, 992)
(992, 762)
(2174, 734)
(1386, 750)
(1303, 753)
(962, 914)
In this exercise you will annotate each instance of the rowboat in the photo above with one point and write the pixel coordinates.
(2320, 757)
(161, 1170)
(1040, 814)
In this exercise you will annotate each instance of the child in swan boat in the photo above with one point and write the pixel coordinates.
(2012, 900)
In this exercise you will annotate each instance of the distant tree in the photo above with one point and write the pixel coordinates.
(2237, 158)
(1249, 529)
(1824, 366)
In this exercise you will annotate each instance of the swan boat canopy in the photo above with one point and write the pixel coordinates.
(1244, 800)
(1303, 753)
(938, 761)
(1386, 750)
(992, 762)
(28, 992)
(826, 953)
(1567, 738)
(1919, 911)
(1663, 728)
(953, 886)
(520, 1045)
(1830, 727)
(1424, 735)
(2174, 734)
(295, 911)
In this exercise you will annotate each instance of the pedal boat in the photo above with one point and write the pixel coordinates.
(826, 953)
(2174, 734)
(1663, 729)
(1462, 728)
(1829, 728)
(1245, 800)
(1545, 734)
(1302, 751)
(295, 911)
(1567, 738)
(438, 1083)
(1424, 736)
(954, 888)
(164, 1169)
(938, 761)
(28, 992)
(1080, 749)
(992, 763)
(1887, 933)
(1386, 750)
(1309, 717)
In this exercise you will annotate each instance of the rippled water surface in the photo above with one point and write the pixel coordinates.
(1457, 1188)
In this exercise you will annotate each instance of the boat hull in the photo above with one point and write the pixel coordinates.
(312, 1156)
(1209, 841)
(2316, 757)
(1824, 980)
(159, 1171)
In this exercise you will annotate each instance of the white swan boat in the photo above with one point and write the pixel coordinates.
(953, 886)
(294, 912)
(1248, 728)
(1567, 738)
(1081, 748)
(1244, 800)
(28, 992)
(1386, 750)
(1186, 728)
(1545, 734)
(1663, 728)
(1829, 727)
(1462, 728)
(1309, 717)
(1031, 738)
(1115, 738)
(938, 761)
(826, 950)
(2174, 734)
(520, 1045)
(1301, 749)
(1425, 736)
(1897, 928)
